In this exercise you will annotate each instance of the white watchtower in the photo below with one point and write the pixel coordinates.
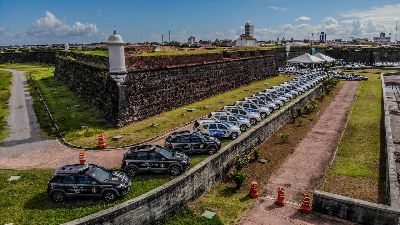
(116, 57)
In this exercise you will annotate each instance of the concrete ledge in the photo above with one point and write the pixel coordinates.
(152, 207)
(355, 210)
(392, 184)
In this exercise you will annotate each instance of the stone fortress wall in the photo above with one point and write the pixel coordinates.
(157, 84)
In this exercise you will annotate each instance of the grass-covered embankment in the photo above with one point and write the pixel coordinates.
(5, 93)
(357, 165)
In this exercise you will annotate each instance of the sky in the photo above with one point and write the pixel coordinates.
(87, 21)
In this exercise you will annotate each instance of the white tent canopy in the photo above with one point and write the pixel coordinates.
(307, 59)
(325, 57)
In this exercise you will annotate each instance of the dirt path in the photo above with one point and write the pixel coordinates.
(304, 169)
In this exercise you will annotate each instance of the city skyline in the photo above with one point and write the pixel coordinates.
(45, 22)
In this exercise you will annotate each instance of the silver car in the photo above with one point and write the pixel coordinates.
(217, 129)
(252, 107)
(239, 111)
(243, 124)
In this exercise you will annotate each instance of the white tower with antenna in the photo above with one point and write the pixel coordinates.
(116, 57)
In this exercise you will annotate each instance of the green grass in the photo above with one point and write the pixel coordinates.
(69, 111)
(26, 201)
(357, 162)
(5, 93)
(95, 52)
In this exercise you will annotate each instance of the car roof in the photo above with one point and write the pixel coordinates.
(143, 148)
(75, 169)
(177, 133)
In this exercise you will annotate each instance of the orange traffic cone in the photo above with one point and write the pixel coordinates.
(281, 197)
(253, 190)
(305, 204)
(82, 157)
(101, 141)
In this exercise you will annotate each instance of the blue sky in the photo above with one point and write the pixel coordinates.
(60, 21)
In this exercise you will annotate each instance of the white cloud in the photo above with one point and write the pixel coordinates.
(276, 8)
(50, 26)
(303, 19)
(370, 22)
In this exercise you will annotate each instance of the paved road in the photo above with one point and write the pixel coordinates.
(22, 119)
(304, 169)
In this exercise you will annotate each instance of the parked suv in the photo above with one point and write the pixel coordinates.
(154, 158)
(87, 180)
(192, 142)
(231, 119)
(252, 107)
(239, 111)
(217, 129)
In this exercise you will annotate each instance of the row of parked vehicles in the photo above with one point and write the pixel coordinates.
(347, 76)
(89, 180)
(387, 64)
(355, 66)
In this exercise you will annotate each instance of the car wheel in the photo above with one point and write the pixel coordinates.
(131, 171)
(212, 149)
(58, 196)
(109, 196)
(263, 115)
(234, 135)
(253, 121)
(243, 127)
(175, 170)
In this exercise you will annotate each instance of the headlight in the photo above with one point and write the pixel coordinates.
(122, 186)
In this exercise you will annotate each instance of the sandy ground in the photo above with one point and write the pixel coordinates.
(304, 169)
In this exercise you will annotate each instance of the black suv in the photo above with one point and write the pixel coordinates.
(87, 180)
(192, 142)
(153, 158)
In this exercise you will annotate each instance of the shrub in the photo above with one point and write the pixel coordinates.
(284, 137)
(238, 177)
(241, 161)
(256, 153)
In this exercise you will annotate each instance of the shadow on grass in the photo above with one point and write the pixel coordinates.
(382, 188)
(42, 202)
(227, 192)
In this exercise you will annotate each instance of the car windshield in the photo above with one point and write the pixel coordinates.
(166, 153)
(100, 174)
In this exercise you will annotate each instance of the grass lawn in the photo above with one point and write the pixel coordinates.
(95, 52)
(5, 93)
(80, 123)
(357, 162)
(230, 204)
(26, 201)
